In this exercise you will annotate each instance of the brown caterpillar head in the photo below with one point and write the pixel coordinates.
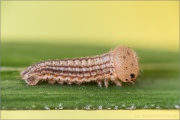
(126, 63)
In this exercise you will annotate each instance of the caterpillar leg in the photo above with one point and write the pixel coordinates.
(131, 82)
(69, 82)
(99, 84)
(79, 82)
(118, 83)
(60, 82)
(106, 83)
(51, 81)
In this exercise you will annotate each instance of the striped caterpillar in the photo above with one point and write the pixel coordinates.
(118, 65)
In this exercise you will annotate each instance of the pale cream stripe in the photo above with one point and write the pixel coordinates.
(96, 114)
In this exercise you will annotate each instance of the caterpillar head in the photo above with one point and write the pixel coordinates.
(126, 63)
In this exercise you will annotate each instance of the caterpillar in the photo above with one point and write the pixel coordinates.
(118, 65)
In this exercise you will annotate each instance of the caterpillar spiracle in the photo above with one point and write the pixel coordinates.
(118, 65)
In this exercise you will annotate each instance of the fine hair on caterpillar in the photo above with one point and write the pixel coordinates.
(118, 65)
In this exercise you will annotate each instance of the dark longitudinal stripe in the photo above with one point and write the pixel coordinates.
(60, 71)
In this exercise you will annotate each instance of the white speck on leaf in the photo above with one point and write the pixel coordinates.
(145, 107)
(116, 107)
(132, 107)
(177, 106)
(158, 107)
(33, 106)
(47, 108)
(100, 107)
(123, 105)
(152, 105)
(87, 107)
(60, 106)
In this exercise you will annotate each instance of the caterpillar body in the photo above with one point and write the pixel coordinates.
(118, 65)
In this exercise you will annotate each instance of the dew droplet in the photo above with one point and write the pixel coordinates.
(123, 105)
(33, 106)
(60, 106)
(132, 107)
(177, 106)
(153, 105)
(87, 107)
(158, 107)
(46, 108)
(116, 107)
(145, 107)
(100, 107)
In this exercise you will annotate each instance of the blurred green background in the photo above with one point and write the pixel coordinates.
(34, 31)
